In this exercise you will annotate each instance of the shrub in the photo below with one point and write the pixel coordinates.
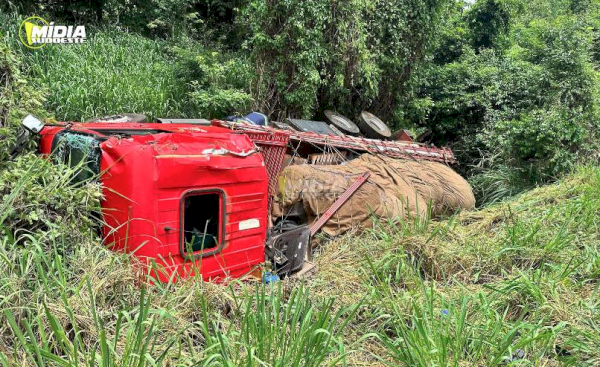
(219, 81)
(38, 198)
(524, 98)
(547, 142)
(17, 98)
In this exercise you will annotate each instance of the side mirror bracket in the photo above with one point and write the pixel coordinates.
(31, 125)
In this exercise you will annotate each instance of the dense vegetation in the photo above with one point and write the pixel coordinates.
(513, 284)
(511, 85)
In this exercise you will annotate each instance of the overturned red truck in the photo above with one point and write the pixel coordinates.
(191, 199)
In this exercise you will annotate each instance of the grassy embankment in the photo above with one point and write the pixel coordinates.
(515, 283)
(516, 280)
(113, 72)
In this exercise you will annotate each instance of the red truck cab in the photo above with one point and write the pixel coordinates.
(183, 199)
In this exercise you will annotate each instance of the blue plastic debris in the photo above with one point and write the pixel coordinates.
(254, 118)
(269, 277)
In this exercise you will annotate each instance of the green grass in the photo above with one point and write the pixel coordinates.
(116, 71)
(112, 72)
(512, 284)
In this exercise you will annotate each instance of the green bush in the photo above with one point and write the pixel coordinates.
(39, 199)
(524, 97)
(547, 142)
(17, 99)
(219, 84)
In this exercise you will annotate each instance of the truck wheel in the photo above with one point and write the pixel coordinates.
(373, 127)
(342, 122)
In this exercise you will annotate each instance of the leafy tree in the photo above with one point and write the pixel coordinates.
(219, 82)
(489, 21)
(348, 55)
(521, 97)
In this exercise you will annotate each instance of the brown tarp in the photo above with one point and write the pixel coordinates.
(397, 188)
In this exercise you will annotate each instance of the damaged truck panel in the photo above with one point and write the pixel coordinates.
(217, 201)
(181, 202)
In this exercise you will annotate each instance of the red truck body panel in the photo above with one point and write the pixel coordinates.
(145, 179)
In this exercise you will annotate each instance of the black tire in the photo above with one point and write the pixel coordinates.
(122, 117)
(342, 122)
(373, 127)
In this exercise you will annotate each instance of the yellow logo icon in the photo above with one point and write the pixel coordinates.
(36, 32)
(32, 28)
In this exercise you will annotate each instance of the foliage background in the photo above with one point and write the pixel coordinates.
(510, 85)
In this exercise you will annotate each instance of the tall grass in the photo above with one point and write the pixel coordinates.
(113, 72)
(116, 71)
(76, 303)
(273, 329)
(70, 326)
(513, 284)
